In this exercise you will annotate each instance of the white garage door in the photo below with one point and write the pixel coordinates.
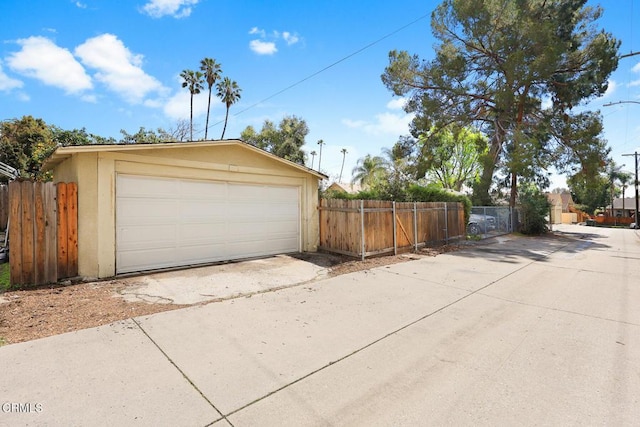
(166, 222)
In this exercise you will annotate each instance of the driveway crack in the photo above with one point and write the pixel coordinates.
(184, 375)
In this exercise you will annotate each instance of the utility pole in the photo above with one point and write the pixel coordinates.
(636, 185)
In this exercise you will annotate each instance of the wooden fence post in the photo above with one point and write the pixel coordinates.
(15, 233)
(4, 206)
(61, 199)
(362, 228)
(415, 226)
(395, 228)
(72, 230)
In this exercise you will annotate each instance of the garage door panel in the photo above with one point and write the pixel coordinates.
(280, 211)
(246, 192)
(148, 236)
(199, 254)
(143, 187)
(135, 215)
(282, 227)
(203, 190)
(165, 222)
(210, 211)
(284, 194)
(196, 234)
(147, 260)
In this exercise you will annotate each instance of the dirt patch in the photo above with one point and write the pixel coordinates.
(51, 310)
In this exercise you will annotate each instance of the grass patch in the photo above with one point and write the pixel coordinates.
(3, 342)
(4, 276)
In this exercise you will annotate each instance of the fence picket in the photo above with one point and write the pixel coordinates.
(63, 234)
(15, 233)
(367, 227)
(38, 215)
(4, 206)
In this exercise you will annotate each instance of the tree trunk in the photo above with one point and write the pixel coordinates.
(514, 190)
(226, 117)
(206, 126)
(191, 120)
(481, 195)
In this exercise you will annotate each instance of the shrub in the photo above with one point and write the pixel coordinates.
(412, 193)
(418, 193)
(534, 207)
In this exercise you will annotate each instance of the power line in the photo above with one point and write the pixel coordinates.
(394, 32)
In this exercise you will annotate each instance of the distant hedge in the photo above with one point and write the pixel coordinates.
(414, 193)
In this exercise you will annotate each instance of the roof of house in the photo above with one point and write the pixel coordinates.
(629, 203)
(563, 199)
(350, 188)
(63, 153)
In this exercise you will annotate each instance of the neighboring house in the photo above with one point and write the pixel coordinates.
(623, 208)
(151, 206)
(562, 208)
(341, 187)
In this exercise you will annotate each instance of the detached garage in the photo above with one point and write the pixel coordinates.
(150, 206)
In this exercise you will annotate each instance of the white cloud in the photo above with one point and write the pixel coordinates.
(263, 48)
(290, 38)
(256, 30)
(354, 124)
(396, 103)
(7, 83)
(610, 89)
(178, 106)
(636, 68)
(385, 123)
(175, 8)
(81, 5)
(42, 59)
(266, 43)
(118, 68)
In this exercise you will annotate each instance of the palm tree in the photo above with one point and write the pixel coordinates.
(192, 81)
(320, 143)
(344, 155)
(613, 173)
(229, 93)
(211, 71)
(368, 170)
(624, 178)
(313, 157)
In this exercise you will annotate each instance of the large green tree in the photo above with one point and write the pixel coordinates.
(285, 140)
(451, 157)
(211, 71)
(24, 144)
(65, 138)
(145, 136)
(590, 193)
(496, 61)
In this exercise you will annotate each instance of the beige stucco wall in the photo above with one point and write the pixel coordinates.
(95, 173)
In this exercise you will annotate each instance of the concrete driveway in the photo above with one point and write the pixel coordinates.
(520, 331)
(222, 281)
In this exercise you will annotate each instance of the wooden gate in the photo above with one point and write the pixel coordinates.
(43, 232)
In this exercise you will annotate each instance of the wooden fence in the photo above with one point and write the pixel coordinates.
(43, 232)
(369, 227)
(4, 206)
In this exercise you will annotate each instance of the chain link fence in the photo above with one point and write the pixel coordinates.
(489, 221)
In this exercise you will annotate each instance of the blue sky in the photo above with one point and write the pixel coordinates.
(107, 65)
